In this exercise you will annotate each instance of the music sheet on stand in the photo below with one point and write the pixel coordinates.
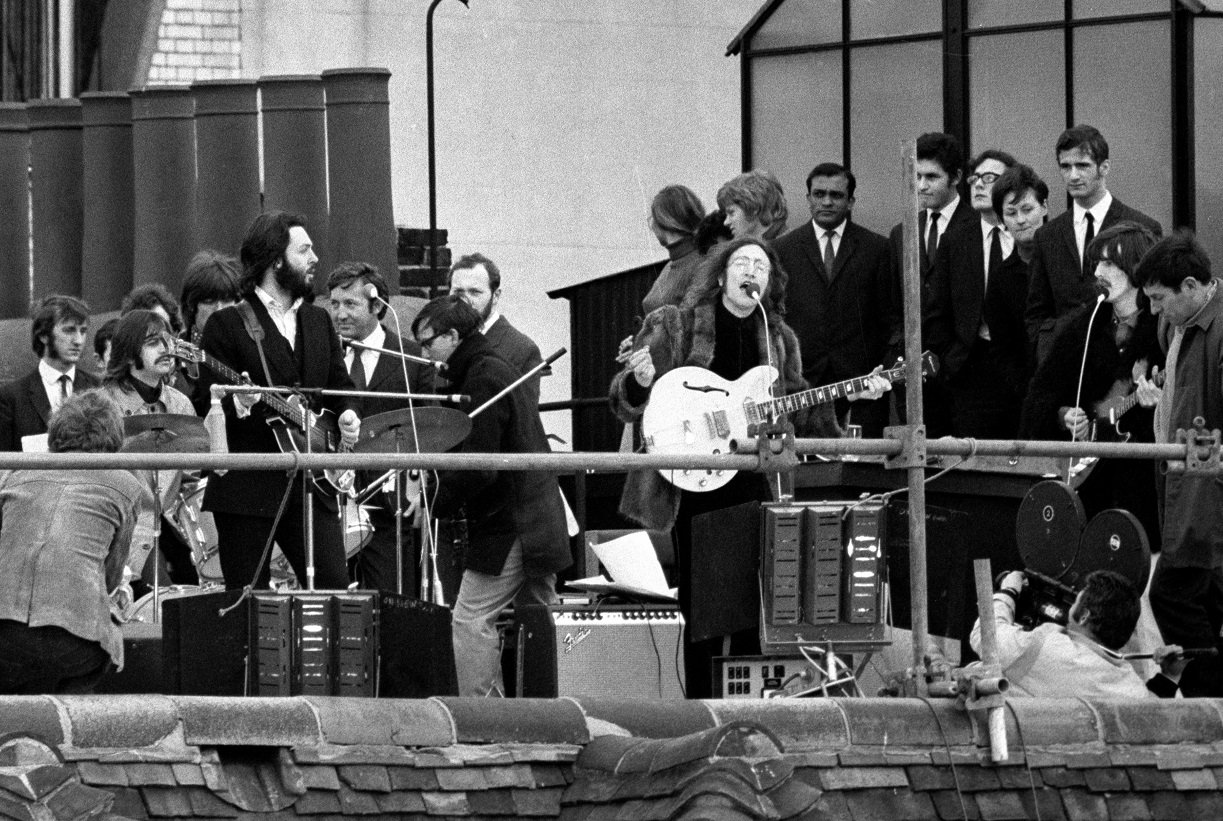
(633, 566)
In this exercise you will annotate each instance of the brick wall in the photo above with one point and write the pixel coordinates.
(197, 40)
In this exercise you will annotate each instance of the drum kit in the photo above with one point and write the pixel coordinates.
(420, 430)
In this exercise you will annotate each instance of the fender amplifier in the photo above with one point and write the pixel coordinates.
(626, 651)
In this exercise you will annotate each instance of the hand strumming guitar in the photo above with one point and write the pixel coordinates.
(350, 428)
(642, 366)
(1150, 391)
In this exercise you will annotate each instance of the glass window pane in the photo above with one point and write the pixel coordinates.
(796, 119)
(1083, 9)
(896, 93)
(800, 23)
(1208, 124)
(1140, 135)
(890, 18)
(1013, 77)
(989, 13)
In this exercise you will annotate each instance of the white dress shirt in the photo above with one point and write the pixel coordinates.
(369, 359)
(285, 318)
(1080, 220)
(51, 384)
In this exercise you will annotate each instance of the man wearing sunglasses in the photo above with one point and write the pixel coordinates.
(974, 313)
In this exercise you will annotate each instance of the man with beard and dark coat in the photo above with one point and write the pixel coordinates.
(58, 338)
(300, 348)
(477, 279)
(515, 520)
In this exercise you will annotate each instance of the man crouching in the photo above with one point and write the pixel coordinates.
(64, 538)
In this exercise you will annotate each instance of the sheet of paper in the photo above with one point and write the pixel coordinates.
(631, 561)
(34, 443)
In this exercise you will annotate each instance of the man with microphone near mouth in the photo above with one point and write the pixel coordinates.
(358, 303)
(729, 322)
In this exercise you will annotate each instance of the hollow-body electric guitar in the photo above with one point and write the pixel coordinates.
(695, 411)
(290, 423)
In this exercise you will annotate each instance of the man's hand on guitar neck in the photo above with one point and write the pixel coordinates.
(243, 402)
(1150, 391)
(876, 387)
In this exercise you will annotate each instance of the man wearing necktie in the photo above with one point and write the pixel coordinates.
(940, 161)
(357, 318)
(1059, 281)
(58, 333)
(839, 295)
(974, 314)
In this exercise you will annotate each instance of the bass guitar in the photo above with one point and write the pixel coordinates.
(290, 423)
(695, 411)
(1120, 400)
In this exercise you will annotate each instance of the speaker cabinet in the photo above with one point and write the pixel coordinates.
(630, 651)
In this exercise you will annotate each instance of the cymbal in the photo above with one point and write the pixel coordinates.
(164, 433)
(438, 430)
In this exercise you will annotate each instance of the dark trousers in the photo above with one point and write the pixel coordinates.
(1188, 607)
(242, 539)
(48, 660)
(374, 567)
(984, 401)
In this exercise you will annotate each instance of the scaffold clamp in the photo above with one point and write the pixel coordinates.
(913, 446)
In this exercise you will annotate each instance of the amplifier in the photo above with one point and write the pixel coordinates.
(323, 644)
(822, 574)
(740, 677)
(626, 651)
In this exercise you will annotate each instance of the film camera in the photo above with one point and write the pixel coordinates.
(1060, 547)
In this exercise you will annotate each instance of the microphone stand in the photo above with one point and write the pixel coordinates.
(498, 396)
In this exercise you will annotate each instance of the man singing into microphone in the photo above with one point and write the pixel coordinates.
(720, 326)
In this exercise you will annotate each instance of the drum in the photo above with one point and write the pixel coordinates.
(141, 610)
(356, 526)
(198, 530)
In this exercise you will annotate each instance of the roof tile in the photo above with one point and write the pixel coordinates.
(1045, 721)
(1205, 804)
(156, 775)
(863, 757)
(1176, 721)
(813, 759)
(492, 802)
(1000, 806)
(319, 778)
(888, 805)
(951, 804)
(906, 722)
(188, 775)
(1194, 780)
(1110, 779)
(1018, 778)
(390, 721)
(1131, 756)
(205, 803)
(167, 801)
(400, 802)
(35, 716)
(1061, 777)
(357, 803)
(604, 752)
(118, 721)
(446, 803)
(551, 775)
(354, 754)
(1088, 759)
(457, 779)
(972, 779)
(519, 775)
(1082, 804)
(650, 719)
(410, 778)
(1149, 779)
(892, 756)
(102, 775)
(857, 778)
(317, 803)
(1127, 807)
(516, 720)
(265, 722)
(922, 778)
(1169, 804)
(537, 802)
(1178, 758)
(128, 803)
(1047, 805)
(368, 777)
(76, 800)
(800, 725)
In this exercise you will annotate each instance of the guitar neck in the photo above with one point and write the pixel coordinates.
(825, 394)
(286, 409)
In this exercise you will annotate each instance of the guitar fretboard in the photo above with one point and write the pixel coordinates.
(290, 412)
(824, 394)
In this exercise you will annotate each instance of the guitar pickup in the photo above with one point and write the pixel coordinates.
(719, 425)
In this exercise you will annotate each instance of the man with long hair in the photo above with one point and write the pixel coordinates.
(277, 338)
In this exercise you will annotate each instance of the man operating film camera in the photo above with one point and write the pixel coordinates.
(1083, 656)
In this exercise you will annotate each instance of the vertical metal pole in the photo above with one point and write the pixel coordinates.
(995, 716)
(430, 128)
(911, 289)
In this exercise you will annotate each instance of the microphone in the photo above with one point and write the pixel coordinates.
(372, 293)
(753, 290)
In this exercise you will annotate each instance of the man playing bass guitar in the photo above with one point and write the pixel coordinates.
(300, 348)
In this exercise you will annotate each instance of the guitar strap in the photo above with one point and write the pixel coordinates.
(255, 331)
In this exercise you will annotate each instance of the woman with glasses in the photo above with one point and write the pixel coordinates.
(719, 326)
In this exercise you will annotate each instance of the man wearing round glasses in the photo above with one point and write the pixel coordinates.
(974, 319)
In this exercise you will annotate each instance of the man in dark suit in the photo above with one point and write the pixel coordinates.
(297, 346)
(57, 336)
(940, 161)
(839, 293)
(1059, 282)
(974, 314)
(357, 317)
(515, 519)
(477, 279)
